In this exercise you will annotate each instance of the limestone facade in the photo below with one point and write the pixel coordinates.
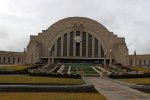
(77, 39)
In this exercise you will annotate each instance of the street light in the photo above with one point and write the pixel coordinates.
(125, 59)
(110, 58)
(24, 56)
(134, 64)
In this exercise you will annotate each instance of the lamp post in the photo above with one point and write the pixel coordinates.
(134, 63)
(24, 56)
(125, 59)
(110, 58)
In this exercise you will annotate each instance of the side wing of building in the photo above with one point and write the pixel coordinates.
(7, 57)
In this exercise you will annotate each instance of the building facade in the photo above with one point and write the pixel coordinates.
(139, 60)
(11, 57)
(76, 40)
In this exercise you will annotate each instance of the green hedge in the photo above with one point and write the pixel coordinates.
(56, 75)
(146, 75)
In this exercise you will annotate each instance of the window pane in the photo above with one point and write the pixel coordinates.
(96, 47)
(59, 47)
(89, 45)
(65, 45)
(84, 44)
(71, 44)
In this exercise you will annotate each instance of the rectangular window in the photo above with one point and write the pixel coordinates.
(8, 59)
(18, 60)
(13, 60)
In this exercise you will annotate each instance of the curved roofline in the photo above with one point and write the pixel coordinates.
(78, 17)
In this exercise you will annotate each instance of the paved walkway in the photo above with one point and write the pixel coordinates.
(114, 91)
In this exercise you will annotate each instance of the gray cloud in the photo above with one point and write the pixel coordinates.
(4, 34)
(127, 18)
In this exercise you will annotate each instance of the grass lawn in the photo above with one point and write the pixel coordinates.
(137, 80)
(32, 79)
(13, 67)
(50, 96)
(146, 70)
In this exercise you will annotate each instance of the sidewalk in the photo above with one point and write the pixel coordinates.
(114, 91)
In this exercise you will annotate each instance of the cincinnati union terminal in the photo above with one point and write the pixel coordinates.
(75, 40)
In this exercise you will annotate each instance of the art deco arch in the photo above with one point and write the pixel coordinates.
(62, 28)
(78, 23)
(82, 31)
(67, 24)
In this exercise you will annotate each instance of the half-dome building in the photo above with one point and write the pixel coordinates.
(76, 40)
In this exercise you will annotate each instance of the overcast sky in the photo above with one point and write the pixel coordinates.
(127, 18)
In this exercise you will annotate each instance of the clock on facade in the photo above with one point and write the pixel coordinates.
(77, 39)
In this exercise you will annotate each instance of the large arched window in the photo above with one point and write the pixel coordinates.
(78, 43)
(84, 44)
(71, 44)
(65, 45)
(89, 45)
